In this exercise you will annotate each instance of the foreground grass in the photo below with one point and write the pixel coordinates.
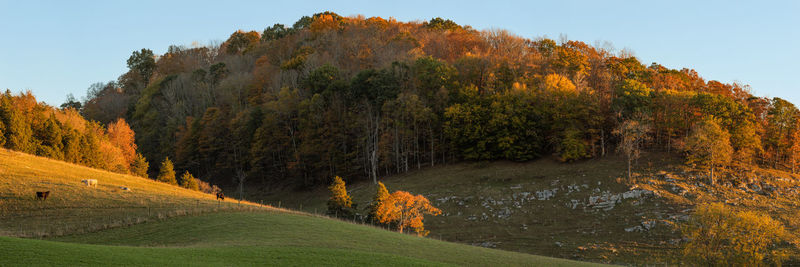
(156, 224)
(256, 238)
(75, 208)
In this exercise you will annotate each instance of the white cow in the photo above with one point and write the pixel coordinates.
(90, 182)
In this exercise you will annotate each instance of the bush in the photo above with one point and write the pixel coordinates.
(721, 236)
(207, 188)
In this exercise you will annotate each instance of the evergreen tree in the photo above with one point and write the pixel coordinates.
(189, 182)
(340, 202)
(167, 174)
(140, 166)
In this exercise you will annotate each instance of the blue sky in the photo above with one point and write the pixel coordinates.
(58, 47)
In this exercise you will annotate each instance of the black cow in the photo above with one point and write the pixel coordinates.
(220, 196)
(42, 195)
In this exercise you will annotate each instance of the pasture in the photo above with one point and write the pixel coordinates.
(74, 207)
(158, 224)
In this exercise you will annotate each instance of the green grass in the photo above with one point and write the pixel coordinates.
(256, 238)
(161, 225)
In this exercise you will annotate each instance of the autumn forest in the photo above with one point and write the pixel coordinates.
(367, 97)
(359, 105)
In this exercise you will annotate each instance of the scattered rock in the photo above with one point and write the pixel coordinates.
(636, 193)
(574, 203)
(649, 224)
(486, 244)
(546, 194)
(637, 228)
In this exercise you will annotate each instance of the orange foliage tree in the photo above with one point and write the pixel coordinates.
(121, 136)
(406, 210)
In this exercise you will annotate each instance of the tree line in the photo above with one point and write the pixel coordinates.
(63, 134)
(366, 97)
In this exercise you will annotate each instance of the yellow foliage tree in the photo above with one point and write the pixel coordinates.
(379, 202)
(407, 211)
(709, 145)
(340, 202)
(558, 83)
(719, 236)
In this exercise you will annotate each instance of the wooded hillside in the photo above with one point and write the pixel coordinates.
(366, 97)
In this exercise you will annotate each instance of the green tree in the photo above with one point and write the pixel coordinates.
(572, 147)
(794, 150)
(781, 119)
(709, 146)
(339, 202)
(275, 32)
(241, 41)
(632, 97)
(166, 174)
(71, 103)
(144, 63)
(140, 166)
(438, 23)
(189, 182)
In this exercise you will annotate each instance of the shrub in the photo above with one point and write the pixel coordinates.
(207, 188)
(720, 236)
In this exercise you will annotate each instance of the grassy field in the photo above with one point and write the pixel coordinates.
(546, 208)
(257, 238)
(72, 207)
(159, 224)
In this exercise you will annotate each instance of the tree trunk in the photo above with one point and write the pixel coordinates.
(602, 142)
(712, 174)
(629, 168)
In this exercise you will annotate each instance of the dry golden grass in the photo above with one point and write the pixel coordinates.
(72, 207)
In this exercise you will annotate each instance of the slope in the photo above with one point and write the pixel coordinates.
(248, 238)
(585, 210)
(107, 225)
(72, 207)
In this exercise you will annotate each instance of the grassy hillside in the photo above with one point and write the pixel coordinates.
(73, 207)
(584, 210)
(106, 225)
(259, 238)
